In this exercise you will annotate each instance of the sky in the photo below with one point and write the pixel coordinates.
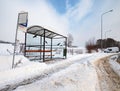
(81, 18)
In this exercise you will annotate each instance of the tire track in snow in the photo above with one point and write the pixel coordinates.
(108, 79)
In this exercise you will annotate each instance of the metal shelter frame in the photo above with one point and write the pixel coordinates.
(43, 33)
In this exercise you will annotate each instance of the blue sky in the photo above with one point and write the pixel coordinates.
(60, 5)
(81, 18)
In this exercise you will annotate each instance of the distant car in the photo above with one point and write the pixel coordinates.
(111, 50)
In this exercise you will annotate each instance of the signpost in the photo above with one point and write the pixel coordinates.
(21, 25)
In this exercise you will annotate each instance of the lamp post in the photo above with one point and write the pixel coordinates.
(106, 37)
(102, 26)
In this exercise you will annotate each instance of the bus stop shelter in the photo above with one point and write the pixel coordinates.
(39, 46)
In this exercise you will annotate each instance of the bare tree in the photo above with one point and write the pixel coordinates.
(70, 40)
(91, 45)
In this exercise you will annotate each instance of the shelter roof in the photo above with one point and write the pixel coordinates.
(41, 31)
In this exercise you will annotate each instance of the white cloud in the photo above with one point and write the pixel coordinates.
(80, 10)
(111, 20)
(74, 15)
(67, 5)
(74, 21)
(45, 15)
(40, 13)
(89, 27)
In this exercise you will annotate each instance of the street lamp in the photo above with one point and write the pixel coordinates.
(102, 25)
(106, 37)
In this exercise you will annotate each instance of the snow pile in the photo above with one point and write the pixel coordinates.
(114, 64)
(20, 74)
(6, 62)
(92, 58)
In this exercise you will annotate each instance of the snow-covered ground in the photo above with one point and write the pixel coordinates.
(80, 75)
(76, 77)
(6, 62)
(114, 64)
(77, 73)
(72, 74)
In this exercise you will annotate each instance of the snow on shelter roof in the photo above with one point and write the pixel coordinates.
(41, 31)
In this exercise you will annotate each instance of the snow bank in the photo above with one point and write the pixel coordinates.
(20, 74)
(114, 64)
(6, 62)
(92, 58)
